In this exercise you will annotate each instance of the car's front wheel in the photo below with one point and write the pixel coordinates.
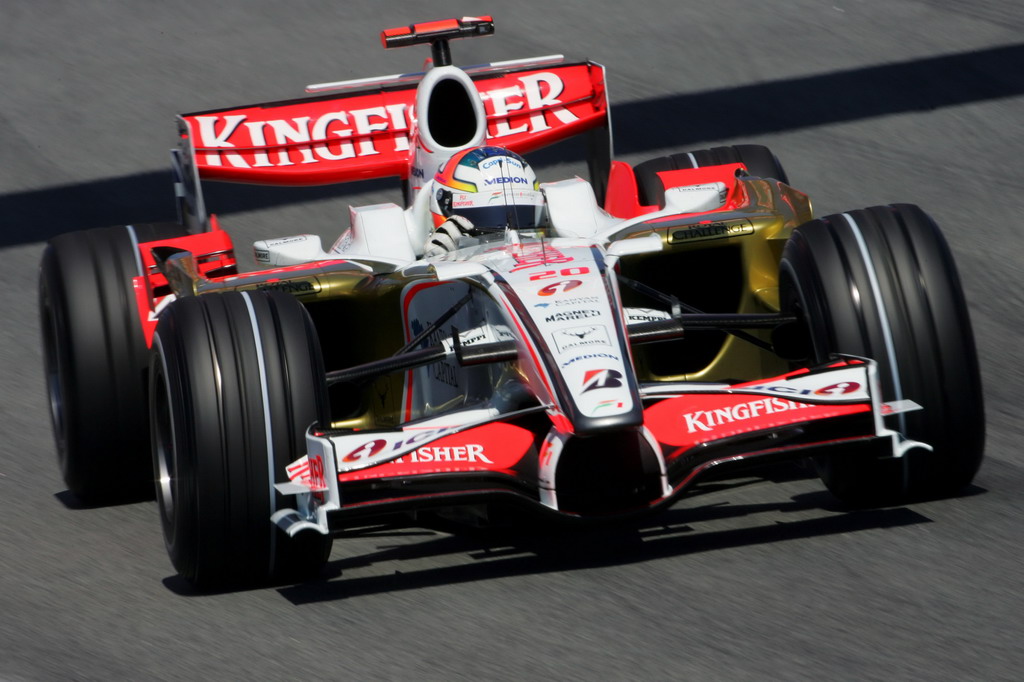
(236, 379)
(881, 283)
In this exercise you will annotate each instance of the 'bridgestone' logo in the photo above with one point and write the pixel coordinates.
(707, 420)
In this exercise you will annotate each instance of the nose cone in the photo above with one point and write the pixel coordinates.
(579, 342)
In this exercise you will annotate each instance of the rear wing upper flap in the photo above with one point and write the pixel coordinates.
(366, 130)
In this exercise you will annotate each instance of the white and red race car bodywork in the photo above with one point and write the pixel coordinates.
(549, 306)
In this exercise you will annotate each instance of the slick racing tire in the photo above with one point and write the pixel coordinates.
(881, 283)
(96, 360)
(759, 160)
(235, 381)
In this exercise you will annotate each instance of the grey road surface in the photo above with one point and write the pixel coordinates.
(765, 577)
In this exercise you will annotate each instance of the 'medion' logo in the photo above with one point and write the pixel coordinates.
(506, 179)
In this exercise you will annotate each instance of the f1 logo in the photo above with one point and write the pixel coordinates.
(601, 378)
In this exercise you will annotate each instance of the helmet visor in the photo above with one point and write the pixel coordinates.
(516, 209)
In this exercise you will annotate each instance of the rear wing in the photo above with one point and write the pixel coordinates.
(369, 128)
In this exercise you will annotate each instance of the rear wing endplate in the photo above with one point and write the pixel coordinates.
(188, 191)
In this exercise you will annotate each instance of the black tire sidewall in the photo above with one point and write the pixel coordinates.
(96, 357)
(219, 400)
(909, 314)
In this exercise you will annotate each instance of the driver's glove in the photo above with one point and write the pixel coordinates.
(446, 237)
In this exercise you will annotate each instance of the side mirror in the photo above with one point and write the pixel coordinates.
(301, 248)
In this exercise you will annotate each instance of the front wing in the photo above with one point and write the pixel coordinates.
(689, 429)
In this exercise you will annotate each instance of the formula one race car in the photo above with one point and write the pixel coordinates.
(589, 358)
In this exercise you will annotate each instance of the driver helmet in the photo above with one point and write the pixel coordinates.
(492, 187)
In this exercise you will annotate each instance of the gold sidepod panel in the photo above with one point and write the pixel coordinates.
(357, 312)
(722, 262)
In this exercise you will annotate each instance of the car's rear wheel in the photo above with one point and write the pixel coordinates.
(96, 360)
(881, 283)
(758, 159)
(236, 379)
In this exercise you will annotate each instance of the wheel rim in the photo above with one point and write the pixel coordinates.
(163, 447)
(54, 368)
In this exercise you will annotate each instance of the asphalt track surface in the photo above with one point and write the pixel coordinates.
(764, 577)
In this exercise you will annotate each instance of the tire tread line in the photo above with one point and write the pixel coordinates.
(910, 296)
(241, 437)
(267, 428)
(949, 310)
(212, 546)
(98, 265)
(838, 341)
(890, 349)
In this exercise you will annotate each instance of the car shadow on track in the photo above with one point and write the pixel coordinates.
(487, 554)
(704, 522)
(72, 502)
